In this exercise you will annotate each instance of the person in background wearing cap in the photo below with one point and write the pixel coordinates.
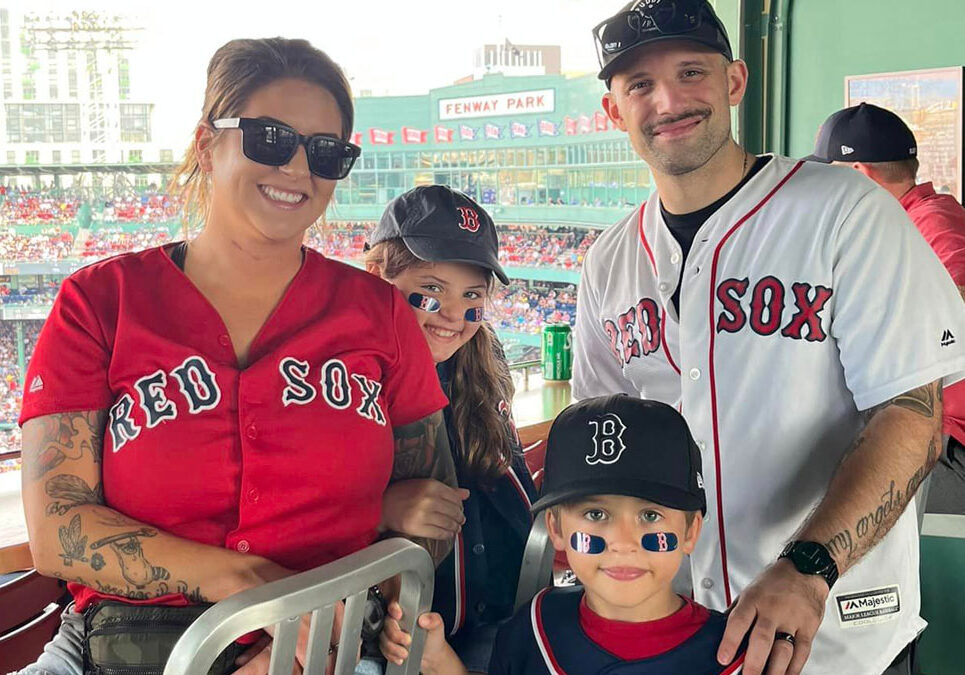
(878, 143)
(623, 497)
(779, 304)
(440, 248)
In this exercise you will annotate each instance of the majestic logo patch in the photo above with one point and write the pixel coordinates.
(607, 439)
(947, 339)
(868, 607)
(37, 384)
(469, 219)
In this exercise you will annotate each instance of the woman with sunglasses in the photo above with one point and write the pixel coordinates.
(211, 415)
(441, 250)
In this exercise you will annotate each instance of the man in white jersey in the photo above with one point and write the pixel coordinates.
(805, 330)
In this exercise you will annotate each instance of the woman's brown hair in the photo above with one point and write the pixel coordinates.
(236, 71)
(480, 382)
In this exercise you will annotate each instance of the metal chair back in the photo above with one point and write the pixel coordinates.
(282, 603)
(536, 571)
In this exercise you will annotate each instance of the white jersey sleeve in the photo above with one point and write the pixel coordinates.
(911, 330)
(596, 372)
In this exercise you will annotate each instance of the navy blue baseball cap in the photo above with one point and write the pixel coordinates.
(642, 22)
(864, 133)
(622, 445)
(439, 224)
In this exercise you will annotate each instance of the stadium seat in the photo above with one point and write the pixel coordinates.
(282, 603)
(30, 607)
(533, 440)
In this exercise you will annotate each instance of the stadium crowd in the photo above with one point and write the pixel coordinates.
(32, 207)
(10, 380)
(110, 241)
(526, 308)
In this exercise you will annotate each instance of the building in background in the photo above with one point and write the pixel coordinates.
(65, 91)
(516, 60)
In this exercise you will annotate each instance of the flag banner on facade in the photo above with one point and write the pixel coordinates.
(584, 124)
(600, 121)
(518, 130)
(410, 135)
(493, 132)
(466, 133)
(381, 136)
(442, 134)
(547, 128)
(357, 137)
(569, 125)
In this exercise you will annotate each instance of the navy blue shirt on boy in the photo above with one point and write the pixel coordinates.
(546, 637)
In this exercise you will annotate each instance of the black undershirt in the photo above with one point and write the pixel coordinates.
(684, 226)
(178, 254)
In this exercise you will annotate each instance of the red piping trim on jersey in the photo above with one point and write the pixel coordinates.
(643, 239)
(460, 568)
(518, 484)
(735, 667)
(663, 316)
(536, 618)
(713, 378)
(663, 341)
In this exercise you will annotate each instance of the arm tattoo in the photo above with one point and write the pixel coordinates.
(69, 491)
(422, 451)
(849, 545)
(69, 436)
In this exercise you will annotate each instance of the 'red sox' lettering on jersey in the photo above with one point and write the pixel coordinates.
(768, 304)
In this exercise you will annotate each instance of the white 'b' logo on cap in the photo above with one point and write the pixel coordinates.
(607, 439)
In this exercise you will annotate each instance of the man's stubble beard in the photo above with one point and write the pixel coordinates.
(686, 160)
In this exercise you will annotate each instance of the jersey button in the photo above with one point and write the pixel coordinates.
(694, 373)
(253, 495)
(664, 286)
(251, 432)
(675, 258)
(701, 445)
(707, 583)
(243, 546)
(478, 549)
(224, 340)
(480, 607)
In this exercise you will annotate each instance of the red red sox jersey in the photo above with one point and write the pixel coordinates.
(807, 297)
(286, 458)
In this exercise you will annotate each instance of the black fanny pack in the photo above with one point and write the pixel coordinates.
(123, 639)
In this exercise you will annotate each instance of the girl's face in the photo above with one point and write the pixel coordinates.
(458, 287)
(271, 203)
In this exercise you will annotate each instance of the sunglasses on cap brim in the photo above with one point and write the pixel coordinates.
(274, 144)
(626, 30)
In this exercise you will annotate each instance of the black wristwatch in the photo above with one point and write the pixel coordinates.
(810, 557)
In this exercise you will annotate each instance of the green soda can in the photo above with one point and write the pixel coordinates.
(557, 352)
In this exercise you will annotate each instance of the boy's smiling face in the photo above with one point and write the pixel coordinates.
(625, 582)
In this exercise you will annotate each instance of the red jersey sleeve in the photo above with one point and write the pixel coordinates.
(412, 389)
(68, 370)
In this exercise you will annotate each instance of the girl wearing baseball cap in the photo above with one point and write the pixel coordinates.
(440, 248)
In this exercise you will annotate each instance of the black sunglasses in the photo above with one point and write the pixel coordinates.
(625, 30)
(275, 144)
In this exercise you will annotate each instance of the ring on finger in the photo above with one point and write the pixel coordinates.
(786, 637)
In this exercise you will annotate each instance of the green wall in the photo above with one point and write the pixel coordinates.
(830, 39)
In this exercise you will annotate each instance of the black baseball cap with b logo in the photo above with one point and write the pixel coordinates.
(864, 133)
(622, 445)
(439, 224)
(643, 22)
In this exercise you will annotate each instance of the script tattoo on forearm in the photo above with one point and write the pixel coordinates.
(422, 451)
(68, 436)
(849, 545)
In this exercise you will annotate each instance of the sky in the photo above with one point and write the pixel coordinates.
(384, 46)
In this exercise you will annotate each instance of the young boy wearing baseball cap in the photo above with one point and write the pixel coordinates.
(623, 497)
